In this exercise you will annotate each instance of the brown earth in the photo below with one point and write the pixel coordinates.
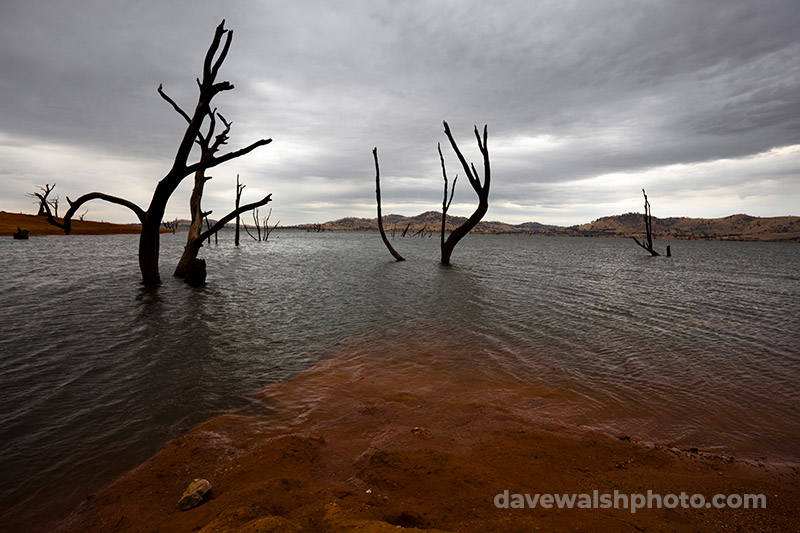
(379, 444)
(38, 226)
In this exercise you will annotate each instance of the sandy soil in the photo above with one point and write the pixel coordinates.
(38, 226)
(376, 445)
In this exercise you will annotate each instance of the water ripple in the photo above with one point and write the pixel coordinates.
(702, 349)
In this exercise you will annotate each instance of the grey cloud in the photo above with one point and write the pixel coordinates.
(623, 86)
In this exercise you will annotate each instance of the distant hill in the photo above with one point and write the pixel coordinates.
(734, 227)
(427, 222)
(38, 226)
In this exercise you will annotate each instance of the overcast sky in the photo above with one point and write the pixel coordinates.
(587, 102)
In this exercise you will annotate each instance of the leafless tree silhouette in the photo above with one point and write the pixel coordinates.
(481, 189)
(261, 226)
(391, 249)
(648, 226)
(171, 225)
(181, 168)
(44, 202)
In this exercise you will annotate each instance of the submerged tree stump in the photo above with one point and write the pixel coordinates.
(197, 273)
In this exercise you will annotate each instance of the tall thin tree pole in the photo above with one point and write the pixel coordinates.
(648, 228)
(380, 219)
(239, 189)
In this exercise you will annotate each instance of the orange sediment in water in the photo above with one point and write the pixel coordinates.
(387, 441)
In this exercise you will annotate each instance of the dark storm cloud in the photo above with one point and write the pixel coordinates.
(584, 101)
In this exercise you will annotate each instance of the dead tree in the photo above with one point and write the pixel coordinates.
(208, 226)
(257, 223)
(261, 226)
(54, 204)
(44, 202)
(239, 189)
(648, 226)
(265, 229)
(194, 238)
(181, 168)
(391, 249)
(171, 225)
(445, 201)
(481, 189)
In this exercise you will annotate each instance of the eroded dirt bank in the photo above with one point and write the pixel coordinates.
(373, 444)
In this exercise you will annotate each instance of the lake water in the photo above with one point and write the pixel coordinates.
(97, 372)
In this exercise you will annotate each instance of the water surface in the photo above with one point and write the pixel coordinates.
(97, 373)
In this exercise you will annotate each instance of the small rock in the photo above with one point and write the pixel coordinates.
(194, 494)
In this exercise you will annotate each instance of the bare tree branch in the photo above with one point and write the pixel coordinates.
(74, 206)
(172, 102)
(468, 169)
(254, 212)
(214, 161)
(209, 72)
(246, 229)
(230, 216)
(222, 138)
(222, 55)
(445, 202)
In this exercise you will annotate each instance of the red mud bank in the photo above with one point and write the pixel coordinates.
(374, 445)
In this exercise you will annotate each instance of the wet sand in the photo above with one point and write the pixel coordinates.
(390, 443)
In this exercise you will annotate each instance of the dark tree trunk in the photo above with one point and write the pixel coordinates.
(391, 249)
(193, 241)
(149, 244)
(238, 199)
(196, 276)
(481, 189)
(648, 227)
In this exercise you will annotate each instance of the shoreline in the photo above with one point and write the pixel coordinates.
(371, 444)
(38, 226)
